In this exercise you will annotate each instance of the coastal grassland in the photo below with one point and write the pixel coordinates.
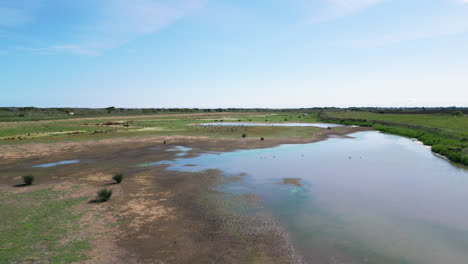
(40, 226)
(446, 133)
(12, 114)
(15, 114)
(440, 121)
(159, 125)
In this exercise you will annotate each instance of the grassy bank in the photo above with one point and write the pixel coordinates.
(446, 133)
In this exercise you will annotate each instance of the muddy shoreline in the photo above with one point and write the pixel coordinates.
(164, 216)
(32, 150)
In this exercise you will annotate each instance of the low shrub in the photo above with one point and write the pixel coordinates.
(104, 195)
(244, 135)
(262, 139)
(118, 177)
(465, 160)
(28, 179)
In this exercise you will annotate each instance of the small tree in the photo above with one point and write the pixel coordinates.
(28, 179)
(457, 113)
(104, 195)
(262, 139)
(118, 177)
(244, 135)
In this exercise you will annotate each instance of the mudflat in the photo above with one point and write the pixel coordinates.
(154, 215)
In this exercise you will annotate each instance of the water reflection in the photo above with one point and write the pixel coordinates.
(375, 197)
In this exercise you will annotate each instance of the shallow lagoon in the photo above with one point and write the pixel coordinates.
(374, 198)
(321, 125)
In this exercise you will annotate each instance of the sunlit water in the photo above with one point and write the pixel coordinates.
(321, 125)
(374, 198)
(53, 164)
(182, 151)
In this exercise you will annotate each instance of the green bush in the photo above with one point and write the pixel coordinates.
(104, 195)
(457, 113)
(465, 160)
(118, 177)
(244, 135)
(438, 148)
(28, 179)
(262, 139)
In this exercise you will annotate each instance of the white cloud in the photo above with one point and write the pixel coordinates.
(104, 24)
(425, 29)
(352, 5)
(76, 49)
(120, 21)
(334, 9)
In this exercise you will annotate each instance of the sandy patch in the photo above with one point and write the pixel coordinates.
(99, 177)
(19, 151)
(144, 211)
(292, 181)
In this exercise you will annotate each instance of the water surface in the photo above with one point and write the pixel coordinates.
(321, 125)
(374, 198)
(53, 164)
(181, 149)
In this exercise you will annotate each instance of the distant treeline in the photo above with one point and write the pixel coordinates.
(410, 110)
(393, 110)
(35, 113)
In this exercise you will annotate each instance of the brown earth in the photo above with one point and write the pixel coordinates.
(163, 216)
(292, 181)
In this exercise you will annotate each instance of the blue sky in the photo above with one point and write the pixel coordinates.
(244, 53)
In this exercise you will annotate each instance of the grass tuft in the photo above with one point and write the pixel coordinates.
(28, 179)
(104, 195)
(118, 177)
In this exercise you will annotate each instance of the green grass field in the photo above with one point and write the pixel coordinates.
(441, 121)
(162, 125)
(39, 227)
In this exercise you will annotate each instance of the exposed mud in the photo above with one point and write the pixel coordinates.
(154, 215)
(292, 181)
